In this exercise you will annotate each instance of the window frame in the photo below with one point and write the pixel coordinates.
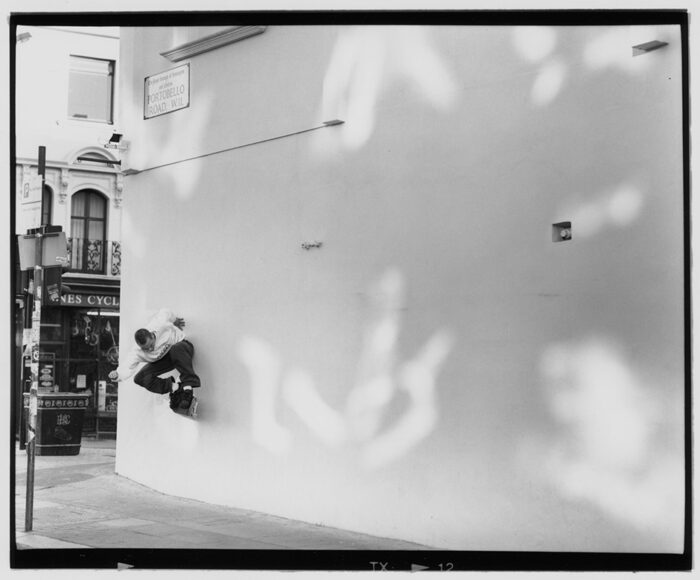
(112, 67)
(82, 261)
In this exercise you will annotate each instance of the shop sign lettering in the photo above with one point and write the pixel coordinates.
(90, 300)
(166, 92)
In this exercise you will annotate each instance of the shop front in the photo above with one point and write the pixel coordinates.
(79, 347)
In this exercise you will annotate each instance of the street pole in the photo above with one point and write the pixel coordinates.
(35, 343)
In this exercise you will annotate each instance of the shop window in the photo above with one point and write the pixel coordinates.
(94, 353)
(52, 344)
(91, 89)
(94, 336)
(51, 326)
(88, 224)
(79, 347)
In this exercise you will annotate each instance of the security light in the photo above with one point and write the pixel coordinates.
(115, 142)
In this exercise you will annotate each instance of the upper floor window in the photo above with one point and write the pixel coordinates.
(88, 224)
(91, 89)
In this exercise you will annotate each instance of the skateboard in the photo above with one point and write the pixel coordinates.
(191, 411)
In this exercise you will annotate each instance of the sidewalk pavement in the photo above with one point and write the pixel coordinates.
(80, 502)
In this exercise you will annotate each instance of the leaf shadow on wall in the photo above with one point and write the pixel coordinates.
(381, 378)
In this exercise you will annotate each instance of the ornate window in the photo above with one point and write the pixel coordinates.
(88, 225)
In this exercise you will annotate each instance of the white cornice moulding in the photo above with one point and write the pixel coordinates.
(229, 36)
(74, 167)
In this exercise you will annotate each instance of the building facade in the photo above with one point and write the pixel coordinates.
(434, 277)
(66, 106)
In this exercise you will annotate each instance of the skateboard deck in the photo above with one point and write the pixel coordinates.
(192, 411)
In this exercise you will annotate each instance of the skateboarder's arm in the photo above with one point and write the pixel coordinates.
(162, 316)
(128, 367)
(167, 316)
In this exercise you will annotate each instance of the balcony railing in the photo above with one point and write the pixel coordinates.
(94, 256)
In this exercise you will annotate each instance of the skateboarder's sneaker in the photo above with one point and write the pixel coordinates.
(185, 399)
(180, 398)
(175, 399)
(184, 402)
(191, 411)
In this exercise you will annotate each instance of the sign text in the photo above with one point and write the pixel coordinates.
(166, 92)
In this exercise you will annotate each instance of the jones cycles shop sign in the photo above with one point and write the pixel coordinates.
(166, 92)
(90, 300)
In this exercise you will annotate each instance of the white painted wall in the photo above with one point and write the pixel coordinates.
(438, 370)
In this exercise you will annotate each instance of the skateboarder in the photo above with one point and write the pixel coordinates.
(163, 347)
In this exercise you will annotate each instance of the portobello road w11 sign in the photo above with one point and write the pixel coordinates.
(166, 92)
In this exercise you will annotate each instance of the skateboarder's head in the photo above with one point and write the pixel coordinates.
(145, 339)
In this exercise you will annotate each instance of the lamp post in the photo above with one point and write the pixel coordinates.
(36, 250)
(35, 342)
(42, 246)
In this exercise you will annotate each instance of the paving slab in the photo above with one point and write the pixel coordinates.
(80, 502)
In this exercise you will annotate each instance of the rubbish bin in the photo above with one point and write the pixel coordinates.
(59, 422)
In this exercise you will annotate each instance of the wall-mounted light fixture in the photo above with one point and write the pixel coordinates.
(647, 47)
(114, 142)
(561, 232)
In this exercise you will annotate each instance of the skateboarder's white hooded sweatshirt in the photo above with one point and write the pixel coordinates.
(167, 334)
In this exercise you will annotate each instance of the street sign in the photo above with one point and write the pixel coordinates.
(166, 92)
(30, 204)
(31, 190)
(54, 251)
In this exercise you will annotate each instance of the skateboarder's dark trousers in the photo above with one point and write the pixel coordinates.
(178, 357)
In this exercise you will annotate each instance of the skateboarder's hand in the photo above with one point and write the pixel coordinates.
(180, 323)
(114, 375)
